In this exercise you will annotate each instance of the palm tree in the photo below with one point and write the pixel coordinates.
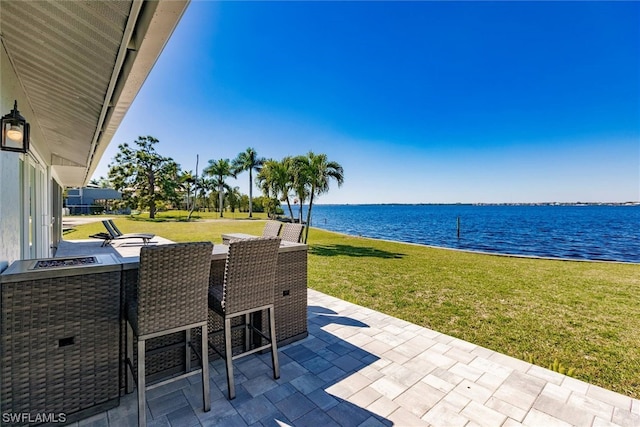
(204, 186)
(318, 171)
(220, 169)
(266, 181)
(282, 174)
(298, 168)
(276, 181)
(220, 187)
(194, 182)
(186, 184)
(285, 177)
(248, 160)
(234, 196)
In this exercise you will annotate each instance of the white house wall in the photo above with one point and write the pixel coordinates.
(13, 224)
(10, 221)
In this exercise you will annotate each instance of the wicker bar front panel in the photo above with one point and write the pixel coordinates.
(59, 348)
(290, 303)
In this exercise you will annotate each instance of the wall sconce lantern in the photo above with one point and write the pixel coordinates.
(15, 131)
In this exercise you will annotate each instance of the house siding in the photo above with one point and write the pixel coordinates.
(14, 181)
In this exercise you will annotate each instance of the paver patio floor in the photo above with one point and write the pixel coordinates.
(359, 367)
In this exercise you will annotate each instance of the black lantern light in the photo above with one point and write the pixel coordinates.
(15, 131)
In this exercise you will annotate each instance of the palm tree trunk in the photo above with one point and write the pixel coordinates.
(290, 210)
(152, 198)
(195, 190)
(306, 229)
(220, 199)
(250, 194)
(300, 211)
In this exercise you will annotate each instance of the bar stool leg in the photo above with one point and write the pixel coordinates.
(206, 393)
(187, 350)
(274, 344)
(128, 363)
(228, 355)
(247, 332)
(142, 403)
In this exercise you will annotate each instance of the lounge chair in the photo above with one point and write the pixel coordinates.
(113, 233)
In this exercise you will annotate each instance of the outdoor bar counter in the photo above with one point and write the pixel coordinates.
(59, 337)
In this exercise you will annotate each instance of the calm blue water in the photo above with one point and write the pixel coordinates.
(577, 232)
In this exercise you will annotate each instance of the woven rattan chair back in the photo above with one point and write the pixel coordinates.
(248, 290)
(173, 285)
(171, 296)
(291, 232)
(271, 229)
(250, 273)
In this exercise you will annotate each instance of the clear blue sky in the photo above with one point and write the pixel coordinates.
(420, 102)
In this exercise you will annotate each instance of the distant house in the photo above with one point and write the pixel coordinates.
(90, 200)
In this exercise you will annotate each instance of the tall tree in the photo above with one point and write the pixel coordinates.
(144, 177)
(276, 176)
(233, 197)
(268, 183)
(318, 171)
(248, 160)
(187, 183)
(220, 170)
(298, 168)
(219, 186)
(195, 189)
(205, 186)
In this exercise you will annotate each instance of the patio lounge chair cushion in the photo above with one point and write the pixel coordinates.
(115, 235)
(101, 235)
(120, 234)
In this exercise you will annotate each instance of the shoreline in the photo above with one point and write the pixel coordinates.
(479, 252)
(552, 204)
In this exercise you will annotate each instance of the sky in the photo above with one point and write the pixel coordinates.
(420, 102)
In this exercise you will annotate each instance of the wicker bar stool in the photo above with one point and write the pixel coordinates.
(170, 297)
(249, 281)
(291, 232)
(271, 229)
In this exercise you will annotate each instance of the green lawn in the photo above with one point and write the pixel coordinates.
(584, 314)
